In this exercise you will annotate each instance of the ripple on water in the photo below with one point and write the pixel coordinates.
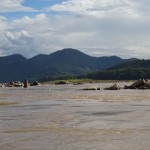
(65, 117)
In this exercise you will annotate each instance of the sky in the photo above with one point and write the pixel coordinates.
(95, 27)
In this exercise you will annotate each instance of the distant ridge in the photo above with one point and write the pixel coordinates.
(12, 58)
(133, 69)
(66, 62)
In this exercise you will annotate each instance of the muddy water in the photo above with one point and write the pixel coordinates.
(64, 117)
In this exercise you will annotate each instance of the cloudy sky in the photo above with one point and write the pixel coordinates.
(96, 27)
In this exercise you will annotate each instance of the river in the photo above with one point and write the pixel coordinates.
(64, 117)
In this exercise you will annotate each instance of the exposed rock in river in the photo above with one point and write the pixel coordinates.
(139, 84)
(113, 87)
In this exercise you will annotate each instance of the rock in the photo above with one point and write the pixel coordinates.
(113, 87)
(17, 84)
(138, 83)
(99, 88)
(62, 82)
(36, 83)
(25, 83)
(126, 87)
(11, 83)
(14, 84)
(90, 88)
(143, 88)
(129, 87)
(147, 83)
(78, 83)
(1, 85)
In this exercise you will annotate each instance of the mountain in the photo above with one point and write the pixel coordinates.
(130, 70)
(135, 63)
(9, 67)
(12, 59)
(66, 62)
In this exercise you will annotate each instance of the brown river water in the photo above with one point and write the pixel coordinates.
(64, 117)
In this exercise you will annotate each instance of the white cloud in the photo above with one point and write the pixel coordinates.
(18, 37)
(14, 6)
(106, 27)
(98, 8)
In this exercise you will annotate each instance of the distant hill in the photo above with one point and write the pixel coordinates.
(130, 70)
(135, 63)
(12, 59)
(9, 67)
(66, 62)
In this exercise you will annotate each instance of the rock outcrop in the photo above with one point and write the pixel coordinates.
(92, 88)
(139, 84)
(13, 84)
(62, 82)
(113, 87)
(25, 83)
(36, 83)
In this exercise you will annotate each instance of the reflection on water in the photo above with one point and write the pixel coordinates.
(64, 117)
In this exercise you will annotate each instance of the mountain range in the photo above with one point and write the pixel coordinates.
(66, 62)
(131, 70)
(71, 63)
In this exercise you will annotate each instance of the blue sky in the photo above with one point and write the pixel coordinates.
(40, 4)
(37, 5)
(96, 27)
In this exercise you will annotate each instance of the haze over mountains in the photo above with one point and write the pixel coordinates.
(60, 63)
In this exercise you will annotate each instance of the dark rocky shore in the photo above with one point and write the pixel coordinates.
(138, 84)
(19, 84)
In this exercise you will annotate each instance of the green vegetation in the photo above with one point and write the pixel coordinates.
(71, 64)
(121, 74)
(63, 64)
(73, 81)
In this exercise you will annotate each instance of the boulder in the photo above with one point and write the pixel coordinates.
(11, 83)
(138, 83)
(62, 82)
(113, 87)
(25, 83)
(147, 83)
(92, 88)
(14, 84)
(1, 85)
(143, 88)
(99, 88)
(129, 87)
(78, 83)
(36, 83)
(17, 84)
